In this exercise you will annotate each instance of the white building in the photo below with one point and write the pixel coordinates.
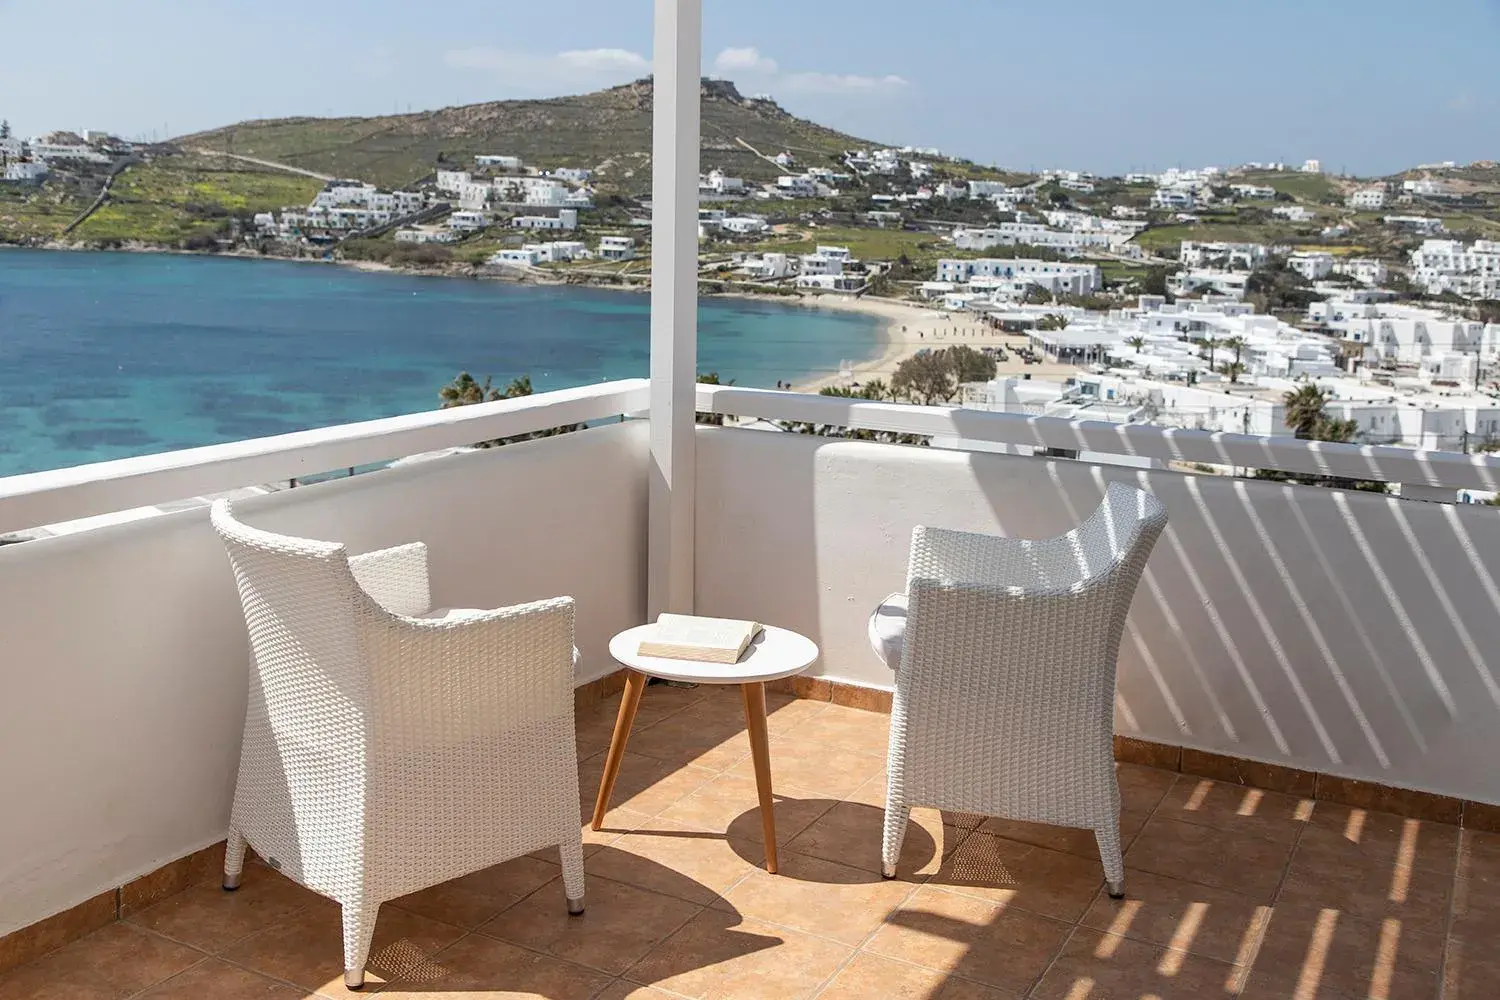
(1398, 332)
(1294, 213)
(573, 175)
(1449, 266)
(1253, 191)
(818, 263)
(566, 218)
(840, 254)
(559, 251)
(1362, 269)
(43, 150)
(25, 171)
(744, 225)
(1422, 225)
(830, 282)
(1367, 198)
(616, 248)
(425, 234)
(717, 183)
(1311, 264)
(498, 162)
(452, 181)
(1219, 254)
(1312, 166)
(1055, 276)
(1031, 234)
(797, 186)
(767, 266)
(525, 257)
(1426, 187)
(1076, 184)
(1173, 198)
(1192, 281)
(467, 222)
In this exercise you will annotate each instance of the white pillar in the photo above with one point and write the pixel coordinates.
(676, 65)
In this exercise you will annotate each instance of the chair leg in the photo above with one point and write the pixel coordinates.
(896, 817)
(234, 860)
(359, 930)
(1108, 837)
(572, 871)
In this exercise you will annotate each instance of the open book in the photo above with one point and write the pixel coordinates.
(708, 640)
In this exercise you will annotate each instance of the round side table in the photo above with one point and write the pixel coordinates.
(775, 653)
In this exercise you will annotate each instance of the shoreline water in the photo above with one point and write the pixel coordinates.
(904, 327)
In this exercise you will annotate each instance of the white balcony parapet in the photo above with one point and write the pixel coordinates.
(1432, 470)
(103, 487)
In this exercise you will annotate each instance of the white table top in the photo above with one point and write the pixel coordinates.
(774, 654)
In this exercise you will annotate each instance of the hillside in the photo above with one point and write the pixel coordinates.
(608, 131)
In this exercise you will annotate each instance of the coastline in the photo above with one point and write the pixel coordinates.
(904, 327)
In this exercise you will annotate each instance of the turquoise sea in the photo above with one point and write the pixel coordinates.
(107, 355)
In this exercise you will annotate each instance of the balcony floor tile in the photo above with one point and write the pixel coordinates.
(1231, 892)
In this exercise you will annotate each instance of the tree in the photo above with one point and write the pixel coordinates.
(970, 365)
(711, 378)
(1210, 344)
(1035, 295)
(1052, 321)
(465, 390)
(4, 128)
(925, 378)
(1136, 343)
(1237, 345)
(1233, 369)
(1155, 282)
(1304, 410)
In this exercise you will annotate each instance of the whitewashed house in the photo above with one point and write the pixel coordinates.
(1367, 198)
(616, 248)
(498, 162)
(468, 222)
(1449, 266)
(565, 219)
(1312, 264)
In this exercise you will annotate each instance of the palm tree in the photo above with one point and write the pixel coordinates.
(1209, 344)
(1137, 343)
(1233, 369)
(518, 387)
(1236, 344)
(1304, 410)
(465, 390)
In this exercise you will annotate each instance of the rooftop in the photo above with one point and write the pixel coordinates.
(1232, 892)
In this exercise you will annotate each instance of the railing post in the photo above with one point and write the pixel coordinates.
(676, 67)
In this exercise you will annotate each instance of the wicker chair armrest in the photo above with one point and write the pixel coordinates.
(395, 578)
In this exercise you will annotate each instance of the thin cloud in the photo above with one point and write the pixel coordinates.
(745, 60)
(844, 83)
(586, 68)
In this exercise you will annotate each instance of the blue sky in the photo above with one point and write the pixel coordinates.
(1370, 86)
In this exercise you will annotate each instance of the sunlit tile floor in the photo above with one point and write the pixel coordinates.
(1231, 892)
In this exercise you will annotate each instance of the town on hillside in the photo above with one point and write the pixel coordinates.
(1200, 298)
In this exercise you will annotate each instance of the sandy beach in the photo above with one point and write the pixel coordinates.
(910, 327)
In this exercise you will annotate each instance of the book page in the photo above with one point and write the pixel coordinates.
(708, 633)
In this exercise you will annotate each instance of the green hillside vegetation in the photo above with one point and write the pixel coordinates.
(608, 131)
(172, 199)
(39, 212)
(1311, 188)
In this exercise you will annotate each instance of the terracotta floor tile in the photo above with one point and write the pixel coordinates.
(1476, 907)
(622, 989)
(644, 785)
(1068, 840)
(471, 900)
(989, 943)
(1184, 916)
(109, 964)
(852, 832)
(1142, 788)
(483, 968)
(714, 744)
(1099, 966)
(665, 857)
(721, 955)
(207, 917)
(1479, 856)
(812, 767)
(308, 948)
(1030, 878)
(791, 715)
(819, 897)
(872, 976)
(621, 924)
(1381, 837)
(847, 729)
(1236, 809)
(1243, 863)
(1471, 967)
(1311, 951)
(221, 981)
(729, 805)
(1369, 891)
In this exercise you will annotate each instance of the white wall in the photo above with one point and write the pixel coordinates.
(1341, 632)
(124, 657)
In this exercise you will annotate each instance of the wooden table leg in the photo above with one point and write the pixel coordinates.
(635, 683)
(760, 751)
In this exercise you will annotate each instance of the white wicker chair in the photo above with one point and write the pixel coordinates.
(388, 747)
(1005, 690)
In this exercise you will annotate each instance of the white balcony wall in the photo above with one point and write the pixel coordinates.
(1341, 632)
(124, 654)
